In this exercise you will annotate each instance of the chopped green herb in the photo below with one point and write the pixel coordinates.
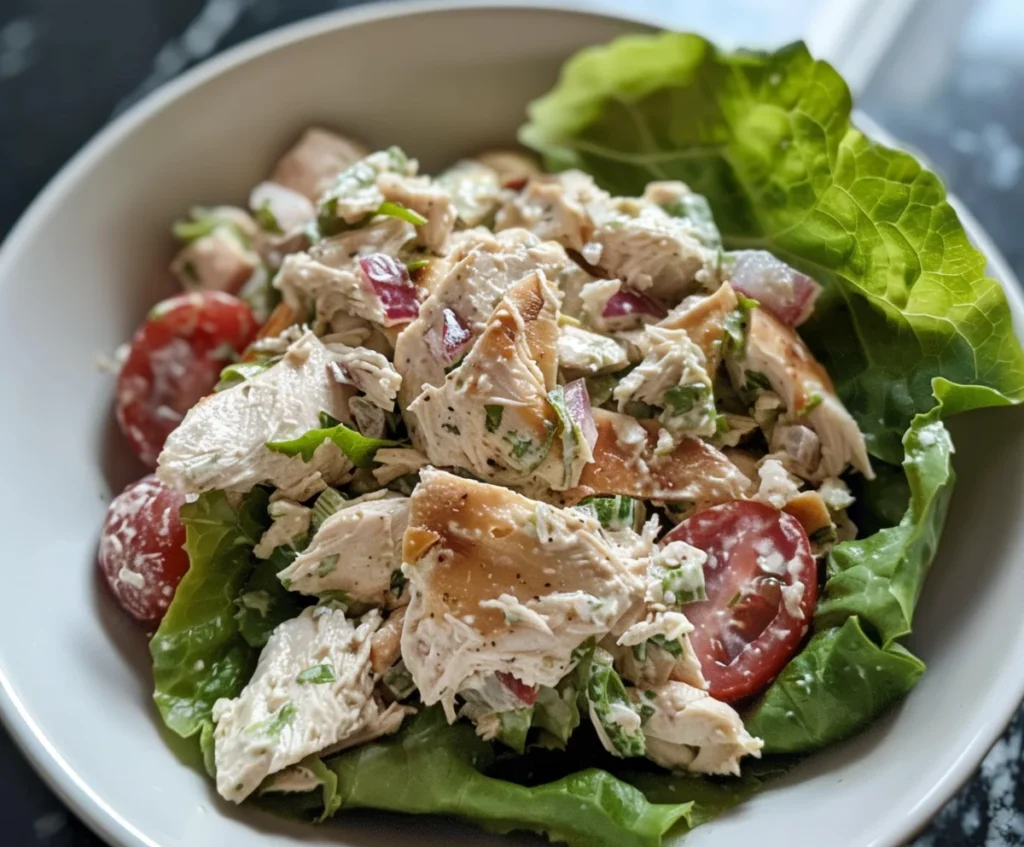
(521, 446)
(276, 723)
(189, 269)
(267, 220)
(416, 265)
(326, 504)
(327, 565)
(737, 323)
(334, 596)
(399, 681)
(398, 581)
(316, 675)
(608, 699)
(616, 512)
(494, 414)
(673, 648)
(238, 372)
(812, 403)
(600, 388)
(756, 379)
(682, 399)
(189, 231)
(397, 210)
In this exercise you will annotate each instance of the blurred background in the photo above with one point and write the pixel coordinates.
(944, 76)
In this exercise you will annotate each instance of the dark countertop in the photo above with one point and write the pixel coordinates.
(950, 88)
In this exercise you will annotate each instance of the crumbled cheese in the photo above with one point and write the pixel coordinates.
(135, 580)
(835, 494)
(778, 486)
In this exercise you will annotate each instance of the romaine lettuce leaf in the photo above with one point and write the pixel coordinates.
(433, 768)
(908, 326)
(879, 578)
(199, 654)
(263, 602)
(838, 684)
(768, 139)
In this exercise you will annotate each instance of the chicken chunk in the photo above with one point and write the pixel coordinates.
(776, 351)
(503, 584)
(705, 318)
(368, 371)
(223, 259)
(493, 415)
(326, 281)
(393, 462)
(689, 730)
(386, 644)
(631, 239)
(512, 167)
(221, 443)
(312, 690)
(672, 377)
(475, 190)
(482, 268)
(555, 207)
(387, 177)
(356, 551)
(312, 164)
(652, 251)
(585, 353)
(290, 525)
(625, 462)
(427, 199)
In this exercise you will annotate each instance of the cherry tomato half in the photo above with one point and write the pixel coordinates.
(762, 586)
(175, 360)
(141, 552)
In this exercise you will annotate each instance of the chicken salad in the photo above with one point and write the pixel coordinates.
(507, 466)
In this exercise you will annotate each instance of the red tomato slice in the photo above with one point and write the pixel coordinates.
(141, 551)
(526, 693)
(174, 361)
(762, 587)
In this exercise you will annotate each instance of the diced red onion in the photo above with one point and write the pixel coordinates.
(577, 403)
(527, 694)
(783, 291)
(449, 342)
(625, 302)
(389, 280)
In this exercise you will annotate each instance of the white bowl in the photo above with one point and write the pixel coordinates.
(89, 258)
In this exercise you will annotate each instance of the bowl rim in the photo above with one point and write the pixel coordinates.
(29, 737)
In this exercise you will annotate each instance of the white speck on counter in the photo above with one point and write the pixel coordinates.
(17, 40)
(48, 825)
(986, 811)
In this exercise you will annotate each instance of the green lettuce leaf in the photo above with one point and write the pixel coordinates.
(199, 654)
(879, 578)
(433, 768)
(264, 603)
(359, 448)
(908, 326)
(839, 684)
(768, 139)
